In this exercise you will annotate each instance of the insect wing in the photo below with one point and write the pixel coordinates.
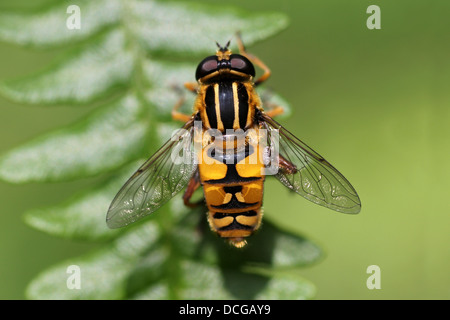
(304, 171)
(159, 179)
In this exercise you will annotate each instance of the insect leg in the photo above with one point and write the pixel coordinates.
(176, 115)
(274, 111)
(191, 86)
(286, 166)
(193, 185)
(254, 60)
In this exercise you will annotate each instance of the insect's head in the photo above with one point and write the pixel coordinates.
(224, 63)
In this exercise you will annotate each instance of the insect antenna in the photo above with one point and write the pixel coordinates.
(223, 49)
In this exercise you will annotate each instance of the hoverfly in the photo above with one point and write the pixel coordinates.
(232, 186)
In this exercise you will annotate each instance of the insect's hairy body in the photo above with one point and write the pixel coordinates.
(227, 105)
(233, 191)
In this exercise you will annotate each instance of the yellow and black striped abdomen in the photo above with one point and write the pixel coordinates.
(233, 191)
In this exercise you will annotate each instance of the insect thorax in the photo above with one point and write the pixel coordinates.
(228, 104)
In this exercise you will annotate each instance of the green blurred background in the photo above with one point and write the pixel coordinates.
(375, 103)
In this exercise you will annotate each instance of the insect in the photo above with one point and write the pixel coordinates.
(219, 161)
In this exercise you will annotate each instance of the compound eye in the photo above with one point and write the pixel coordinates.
(207, 66)
(242, 64)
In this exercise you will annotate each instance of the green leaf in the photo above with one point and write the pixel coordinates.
(286, 249)
(165, 88)
(269, 247)
(202, 281)
(271, 99)
(282, 287)
(141, 265)
(190, 28)
(105, 140)
(47, 26)
(103, 274)
(258, 271)
(126, 44)
(83, 216)
(174, 28)
(80, 77)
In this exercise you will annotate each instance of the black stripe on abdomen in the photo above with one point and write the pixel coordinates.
(235, 225)
(234, 203)
(232, 176)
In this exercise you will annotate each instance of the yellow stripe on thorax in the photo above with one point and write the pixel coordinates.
(220, 126)
(236, 106)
